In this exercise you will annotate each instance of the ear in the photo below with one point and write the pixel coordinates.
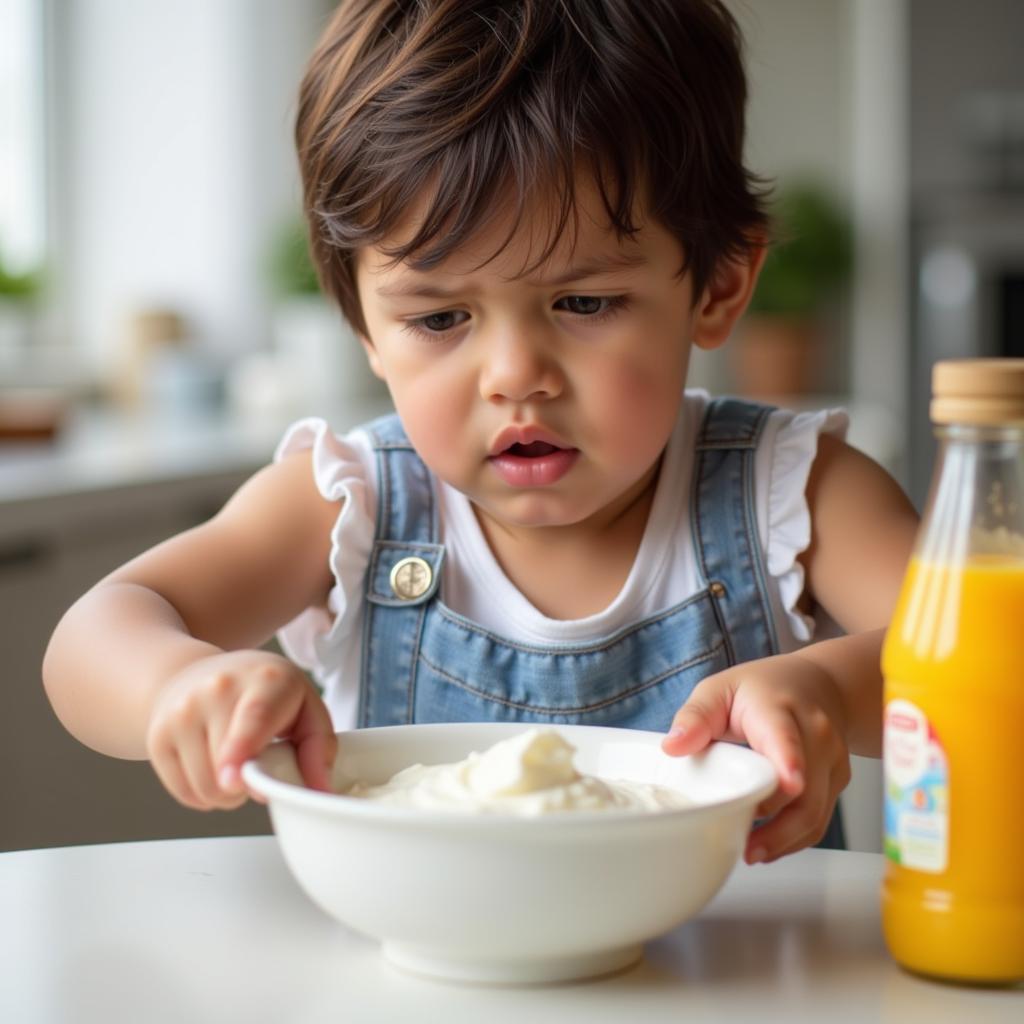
(726, 296)
(371, 355)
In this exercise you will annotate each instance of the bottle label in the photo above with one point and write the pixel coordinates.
(916, 790)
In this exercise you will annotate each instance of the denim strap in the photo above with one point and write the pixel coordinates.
(724, 517)
(407, 527)
(724, 526)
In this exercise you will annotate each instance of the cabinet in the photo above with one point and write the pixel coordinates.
(53, 790)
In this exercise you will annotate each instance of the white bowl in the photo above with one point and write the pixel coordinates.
(491, 898)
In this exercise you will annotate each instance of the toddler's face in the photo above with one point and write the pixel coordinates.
(547, 399)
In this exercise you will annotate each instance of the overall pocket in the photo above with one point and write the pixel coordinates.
(636, 678)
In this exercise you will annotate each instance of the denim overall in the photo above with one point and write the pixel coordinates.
(423, 662)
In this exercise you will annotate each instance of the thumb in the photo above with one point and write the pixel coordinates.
(315, 743)
(703, 718)
(301, 718)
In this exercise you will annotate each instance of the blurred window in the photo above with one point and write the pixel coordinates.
(22, 133)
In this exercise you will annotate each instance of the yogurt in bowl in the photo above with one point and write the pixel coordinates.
(511, 895)
(529, 774)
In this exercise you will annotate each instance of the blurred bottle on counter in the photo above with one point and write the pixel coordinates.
(953, 662)
(162, 369)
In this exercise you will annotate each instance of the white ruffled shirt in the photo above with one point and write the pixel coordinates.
(328, 641)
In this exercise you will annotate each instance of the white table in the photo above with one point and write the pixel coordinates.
(197, 930)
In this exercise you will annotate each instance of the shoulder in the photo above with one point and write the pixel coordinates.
(282, 499)
(254, 565)
(863, 528)
(842, 474)
(314, 474)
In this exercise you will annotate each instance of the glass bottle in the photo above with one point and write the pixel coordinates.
(953, 663)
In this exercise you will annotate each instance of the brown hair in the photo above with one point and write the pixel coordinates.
(459, 100)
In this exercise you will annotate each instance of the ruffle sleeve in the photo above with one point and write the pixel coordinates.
(788, 516)
(341, 469)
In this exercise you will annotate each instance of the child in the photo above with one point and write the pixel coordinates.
(529, 211)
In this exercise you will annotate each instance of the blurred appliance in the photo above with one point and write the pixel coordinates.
(966, 181)
(970, 296)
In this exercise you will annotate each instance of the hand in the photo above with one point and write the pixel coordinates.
(219, 711)
(789, 709)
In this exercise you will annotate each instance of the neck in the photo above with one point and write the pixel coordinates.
(626, 516)
(573, 571)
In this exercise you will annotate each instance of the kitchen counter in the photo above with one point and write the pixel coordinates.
(103, 449)
(218, 930)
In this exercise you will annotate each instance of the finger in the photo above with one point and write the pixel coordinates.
(164, 759)
(197, 765)
(775, 733)
(837, 783)
(703, 718)
(229, 780)
(315, 743)
(256, 720)
(803, 831)
(801, 823)
(771, 806)
(171, 774)
(232, 791)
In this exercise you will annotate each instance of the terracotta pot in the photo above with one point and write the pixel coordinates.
(773, 356)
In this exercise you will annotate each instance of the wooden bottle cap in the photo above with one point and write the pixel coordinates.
(978, 391)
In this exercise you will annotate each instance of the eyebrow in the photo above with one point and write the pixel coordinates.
(595, 267)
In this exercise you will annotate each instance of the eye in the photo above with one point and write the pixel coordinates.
(593, 307)
(434, 325)
(585, 305)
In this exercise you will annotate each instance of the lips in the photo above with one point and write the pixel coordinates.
(531, 456)
(533, 450)
(525, 436)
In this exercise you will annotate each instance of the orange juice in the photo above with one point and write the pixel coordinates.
(953, 896)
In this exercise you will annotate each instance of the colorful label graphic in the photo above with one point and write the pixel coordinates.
(916, 790)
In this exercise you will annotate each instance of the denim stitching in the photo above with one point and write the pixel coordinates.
(389, 526)
(413, 665)
(411, 698)
(365, 676)
(754, 546)
(598, 646)
(519, 706)
(698, 541)
(753, 542)
(732, 444)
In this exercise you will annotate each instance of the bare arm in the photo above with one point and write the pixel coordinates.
(808, 710)
(224, 586)
(863, 534)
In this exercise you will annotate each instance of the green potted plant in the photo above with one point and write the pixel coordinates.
(291, 269)
(19, 292)
(783, 339)
(317, 362)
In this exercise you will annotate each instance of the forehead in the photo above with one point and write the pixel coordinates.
(510, 244)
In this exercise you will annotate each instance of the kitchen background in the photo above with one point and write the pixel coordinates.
(158, 321)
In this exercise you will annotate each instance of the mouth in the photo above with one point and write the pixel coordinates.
(533, 450)
(521, 460)
(527, 441)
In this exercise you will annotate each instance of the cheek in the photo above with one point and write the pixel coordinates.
(435, 424)
(642, 397)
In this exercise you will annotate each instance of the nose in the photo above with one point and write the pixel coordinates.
(519, 366)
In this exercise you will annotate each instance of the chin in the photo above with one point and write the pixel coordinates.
(536, 510)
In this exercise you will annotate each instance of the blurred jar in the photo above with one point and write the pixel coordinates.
(162, 369)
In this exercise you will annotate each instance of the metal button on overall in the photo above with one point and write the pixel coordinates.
(411, 578)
